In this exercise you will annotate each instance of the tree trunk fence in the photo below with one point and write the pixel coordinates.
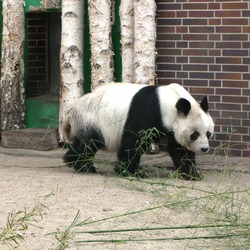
(71, 57)
(12, 66)
(138, 34)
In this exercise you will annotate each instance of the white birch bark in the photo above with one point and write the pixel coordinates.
(12, 62)
(144, 44)
(127, 39)
(102, 69)
(51, 4)
(71, 57)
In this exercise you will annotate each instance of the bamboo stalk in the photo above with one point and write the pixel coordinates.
(222, 236)
(166, 205)
(164, 228)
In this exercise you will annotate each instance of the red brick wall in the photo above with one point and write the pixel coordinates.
(204, 45)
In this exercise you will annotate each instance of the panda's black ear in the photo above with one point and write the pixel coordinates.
(204, 104)
(183, 106)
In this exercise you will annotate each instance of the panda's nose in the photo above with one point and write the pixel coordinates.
(205, 150)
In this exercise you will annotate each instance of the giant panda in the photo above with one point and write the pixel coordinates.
(113, 116)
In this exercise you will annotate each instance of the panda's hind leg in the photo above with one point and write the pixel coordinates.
(81, 151)
(183, 159)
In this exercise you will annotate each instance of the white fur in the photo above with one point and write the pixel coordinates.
(196, 120)
(113, 112)
(183, 127)
(106, 109)
(168, 96)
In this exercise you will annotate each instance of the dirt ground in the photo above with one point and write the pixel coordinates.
(38, 183)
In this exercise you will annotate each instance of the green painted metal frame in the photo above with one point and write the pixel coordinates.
(37, 4)
(116, 40)
(1, 26)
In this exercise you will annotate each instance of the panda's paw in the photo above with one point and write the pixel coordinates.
(84, 169)
(192, 177)
(127, 173)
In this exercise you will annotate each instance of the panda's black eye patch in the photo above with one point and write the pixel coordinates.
(194, 136)
(209, 134)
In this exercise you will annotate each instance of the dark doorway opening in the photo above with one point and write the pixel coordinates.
(44, 37)
(43, 69)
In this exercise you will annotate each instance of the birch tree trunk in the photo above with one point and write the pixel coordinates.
(127, 39)
(51, 4)
(12, 73)
(71, 57)
(102, 69)
(144, 44)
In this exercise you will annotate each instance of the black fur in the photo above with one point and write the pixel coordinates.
(81, 151)
(183, 106)
(204, 104)
(144, 113)
(183, 159)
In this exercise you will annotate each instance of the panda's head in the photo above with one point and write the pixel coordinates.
(194, 125)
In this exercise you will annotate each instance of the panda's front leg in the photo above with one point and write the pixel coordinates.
(129, 156)
(187, 165)
(184, 160)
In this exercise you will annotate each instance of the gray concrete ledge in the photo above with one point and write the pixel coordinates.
(30, 138)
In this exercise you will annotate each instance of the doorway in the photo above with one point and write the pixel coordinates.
(43, 38)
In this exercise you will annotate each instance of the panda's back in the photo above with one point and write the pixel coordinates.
(116, 102)
(105, 110)
(113, 112)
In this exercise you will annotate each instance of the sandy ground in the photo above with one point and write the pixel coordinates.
(38, 182)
